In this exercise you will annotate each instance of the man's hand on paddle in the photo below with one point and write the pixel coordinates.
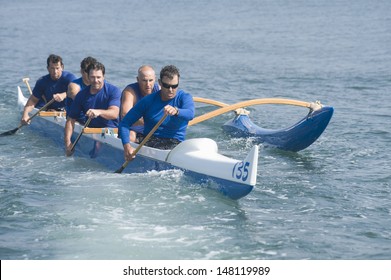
(170, 110)
(68, 149)
(128, 151)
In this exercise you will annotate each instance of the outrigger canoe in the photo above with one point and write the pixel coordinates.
(198, 157)
(294, 138)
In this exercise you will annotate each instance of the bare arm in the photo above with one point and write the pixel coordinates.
(31, 102)
(110, 114)
(73, 89)
(127, 101)
(68, 131)
(128, 150)
(60, 96)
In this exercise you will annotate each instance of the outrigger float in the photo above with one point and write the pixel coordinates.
(294, 138)
(197, 157)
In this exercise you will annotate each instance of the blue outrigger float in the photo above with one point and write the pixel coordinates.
(294, 138)
(198, 158)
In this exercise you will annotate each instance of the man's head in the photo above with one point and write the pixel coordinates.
(169, 82)
(96, 76)
(146, 78)
(55, 66)
(84, 66)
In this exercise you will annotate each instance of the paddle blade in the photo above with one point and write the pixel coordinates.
(10, 132)
(119, 170)
(123, 166)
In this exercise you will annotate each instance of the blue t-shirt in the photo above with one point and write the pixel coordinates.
(139, 96)
(108, 96)
(80, 83)
(151, 108)
(46, 87)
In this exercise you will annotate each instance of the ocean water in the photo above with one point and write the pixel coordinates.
(329, 201)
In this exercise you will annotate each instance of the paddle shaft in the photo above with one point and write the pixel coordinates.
(149, 135)
(13, 131)
(26, 80)
(42, 109)
(242, 104)
(81, 133)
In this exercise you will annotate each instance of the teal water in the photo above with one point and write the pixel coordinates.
(330, 201)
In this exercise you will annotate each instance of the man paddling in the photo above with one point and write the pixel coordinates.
(48, 87)
(79, 84)
(100, 102)
(133, 93)
(169, 100)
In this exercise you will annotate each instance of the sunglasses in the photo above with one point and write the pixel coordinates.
(169, 86)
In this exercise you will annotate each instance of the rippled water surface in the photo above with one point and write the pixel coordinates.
(329, 201)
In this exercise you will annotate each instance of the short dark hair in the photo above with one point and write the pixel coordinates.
(53, 58)
(169, 71)
(96, 66)
(86, 62)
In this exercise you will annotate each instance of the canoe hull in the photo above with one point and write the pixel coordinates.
(112, 158)
(233, 178)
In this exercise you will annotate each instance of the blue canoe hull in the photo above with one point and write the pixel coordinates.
(112, 158)
(294, 138)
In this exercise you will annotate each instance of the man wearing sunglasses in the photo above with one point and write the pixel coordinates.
(170, 99)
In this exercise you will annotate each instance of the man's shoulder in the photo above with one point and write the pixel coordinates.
(43, 78)
(131, 88)
(77, 80)
(112, 89)
(182, 94)
(111, 86)
(84, 91)
(44, 82)
(133, 85)
(68, 76)
(153, 95)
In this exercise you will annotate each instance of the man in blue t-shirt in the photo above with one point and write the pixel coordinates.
(79, 84)
(133, 93)
(51, 86)
(99, 101)
(175, 102)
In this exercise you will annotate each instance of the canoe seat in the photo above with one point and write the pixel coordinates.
(197, 144)
(206, 145)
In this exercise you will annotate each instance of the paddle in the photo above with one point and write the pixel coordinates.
(26, 81)
(242, 104)
(80, 134)
(142, 143)
(13, 131)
